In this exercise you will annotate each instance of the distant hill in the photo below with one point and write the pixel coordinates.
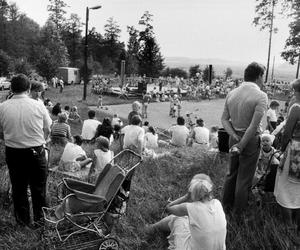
(285, 71)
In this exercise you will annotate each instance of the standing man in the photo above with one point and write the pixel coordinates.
(25, 124)
(243, 111)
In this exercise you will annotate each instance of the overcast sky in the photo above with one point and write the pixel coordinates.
(187, 28)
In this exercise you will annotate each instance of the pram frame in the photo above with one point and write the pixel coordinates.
(94, 218)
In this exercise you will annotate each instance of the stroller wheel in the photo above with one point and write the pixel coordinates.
(109, 244)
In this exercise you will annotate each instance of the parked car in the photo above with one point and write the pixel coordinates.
(4, 83)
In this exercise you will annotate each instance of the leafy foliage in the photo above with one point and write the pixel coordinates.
(193, 70)
(228, 72)
(205, 76)
(4, 63)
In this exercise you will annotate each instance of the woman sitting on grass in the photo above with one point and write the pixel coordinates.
(60, 128)
(197, 221)
(74, 116)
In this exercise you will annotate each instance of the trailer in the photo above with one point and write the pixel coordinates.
(69, 75)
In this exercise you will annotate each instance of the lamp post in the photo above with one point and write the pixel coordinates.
(86, 77)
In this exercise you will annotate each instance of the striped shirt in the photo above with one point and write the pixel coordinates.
(61, 129)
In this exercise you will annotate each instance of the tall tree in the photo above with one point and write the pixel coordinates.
(3, 24)
(71, 35)
(57, 13)
(150, 58)
(264, 19)
(132, 51)
(291, 51)
(4, 63)
(193, 70)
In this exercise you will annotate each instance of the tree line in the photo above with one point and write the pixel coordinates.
(26, 46)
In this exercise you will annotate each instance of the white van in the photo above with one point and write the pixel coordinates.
(69, 75)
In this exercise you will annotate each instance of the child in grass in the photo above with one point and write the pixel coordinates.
(197, 220)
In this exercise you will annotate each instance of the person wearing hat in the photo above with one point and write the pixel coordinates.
(74, 157)
(36, 90)
(197, 220)
(102, 156)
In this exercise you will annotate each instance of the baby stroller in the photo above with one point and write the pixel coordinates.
(265, 184)
(87, 208)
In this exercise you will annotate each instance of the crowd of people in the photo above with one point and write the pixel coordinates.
(197, 220)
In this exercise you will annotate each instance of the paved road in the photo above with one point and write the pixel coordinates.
(158, 112)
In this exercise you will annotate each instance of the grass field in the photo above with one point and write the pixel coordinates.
(154, 182)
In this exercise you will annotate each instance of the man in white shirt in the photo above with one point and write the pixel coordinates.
(179, 133)
(200, 133)
(24, 125)
(89, 126)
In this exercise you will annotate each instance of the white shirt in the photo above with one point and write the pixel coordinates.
(201, 135)
(207, 224)
(72, 152)
(22, 120)
(133, 135)
(151, 140)
(271, 113)
(180, 134)
(89, 128)
(102, 158)
(116, 121)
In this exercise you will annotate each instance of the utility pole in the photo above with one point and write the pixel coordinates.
(272, 76)
(297, 74)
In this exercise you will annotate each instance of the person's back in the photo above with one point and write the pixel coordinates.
(243, 102)
(151, 140)
(207, 224)
(180, 134)
(89, 126)
(201, 135)
(72, 152)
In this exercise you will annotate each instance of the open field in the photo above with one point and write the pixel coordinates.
(154, 182)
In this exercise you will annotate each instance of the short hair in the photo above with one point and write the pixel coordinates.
(200, 122)
(106, 121)
(214, 129)
(37, 86)
(136, 106)
(91, 114)
(274, 104)
(151, 130)
(78, 139)
(253, 71)
(296, 85)
(180, 120)
(67, 108)
(136, 120)
(146, 123)
(201, 188)
(20, 83)
(62, 117)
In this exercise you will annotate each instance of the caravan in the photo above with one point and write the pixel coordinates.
(69, 75)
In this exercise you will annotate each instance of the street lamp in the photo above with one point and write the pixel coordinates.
(86, 77)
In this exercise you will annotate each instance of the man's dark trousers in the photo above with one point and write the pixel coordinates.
(27, 167)
(241, 172)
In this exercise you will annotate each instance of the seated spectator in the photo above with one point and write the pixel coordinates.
(179, 133)
(200, 134)
(74, 116)
(117, 143)
(48, 103)
(116, 121)
(136, 107)
(102, 156)
(55, 111)
(36, 90)
(146, 126)
(105, 129)
(151, 138)
(89, 126)
(74, 157)
(67, 110)
(60, 128)
(197, 221)
(134, 135)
